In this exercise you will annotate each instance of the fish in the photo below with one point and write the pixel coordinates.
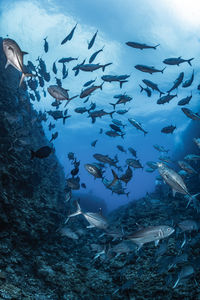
(127, 176)
(15, 57)
(94, 55)
(173, 179)
(148, 69)
(132, 151)
(192, 157)
(190, 114)
(185, 100)
(46, 45)
(80, 110)
(42, 152)
(150, 234)
(54, 136)
(141, 46)
(93, 144)
(152, 164)
(188, 82)
(83, 185)
(113, 133)
(88, 91)
(177, 61)
(123, 247)
(47, 77)
(55, 70)
(69, 36)
(91, 42)
(65, 72)
(58, 82)
(188, 225)
(122, 111)
(160, 148)
(93, 170)
(121, 148)
(147, 90)
(115, 127)
(106, 159)
(65, 231)
(75, 171)
(93, 67)
(59, 93)
(58, 114)
(185, 166)
(73, 183)
(98, 114)
(89, 82)
(122, 99)
(94, 219)
(134, 163)
(118, 122)
(177, 82)
(66, 59)
(168, 129)
(120, 78)
(152, 85)
(186, 271)
(197, 141)
(165, 99)
(137, 125)
(68, 194)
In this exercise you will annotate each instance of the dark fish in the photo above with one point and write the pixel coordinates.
(89, 82)
(113, 133)
(134, 163)
(126, 177)
(71, 156)
(185, 100)
(94, 55)
(168, 129)
(51, 126)
(41, 81)
(73, 183)
(42, 152)
(80, 110)
(122, 99)
(69, 36)
(115, 127)
(121, 148)
(92, 67)
(177, 61)
(148, 69)
(47, 76)
(165, 99)
(177, 82)
(120, 78)
(55, 70)
(140, 46)
(37, 95)
(67, 59)
(188, 82)
(93, 144)
(75, 171)
(147, 90)
(190, 114)
(118, 122)
(46, 45)
(88, 91)
(58, 82)
(132, 151)
(90, 44)
(152, 85)
(122, 111)
(83, 185)
(54, 136)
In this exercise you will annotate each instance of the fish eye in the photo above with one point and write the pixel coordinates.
(168, 229)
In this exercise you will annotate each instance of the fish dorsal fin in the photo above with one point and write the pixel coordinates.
(24, 53)
(179, 57)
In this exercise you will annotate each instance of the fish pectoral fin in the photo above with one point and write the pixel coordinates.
(157, 242)
(24, 52)
(7, 64)
(173, 192)
(90, 226)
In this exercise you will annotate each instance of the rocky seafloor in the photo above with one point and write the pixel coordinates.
(37, 263)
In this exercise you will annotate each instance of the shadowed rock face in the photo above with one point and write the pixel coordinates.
(36, 262)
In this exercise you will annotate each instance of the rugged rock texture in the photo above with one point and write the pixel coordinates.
(37, 263)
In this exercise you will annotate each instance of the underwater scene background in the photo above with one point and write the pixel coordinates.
(100, 150)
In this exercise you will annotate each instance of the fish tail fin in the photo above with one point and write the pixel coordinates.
(163, 70)
(189, 61)
(111, 113)
(141, 88)
(32, 154)
(115, 178)
(101, 85)
(64, 118)
(78, 211)
(156, 46)
(104, 66)
(25, 75)
(113, 104)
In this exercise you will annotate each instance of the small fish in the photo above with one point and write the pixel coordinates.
(121, 148)
(132, 151)
(185, 100)
(165, 99)
(43, 152)
(15, 57)
(148, 69)
(94, 55)
(141, 46)
(69, 36)
(65, 231)
(185, 166)
(192, 157)
(113, 133)
(147, 90)
(137, 125)
(177, 61)
(73, 183)
(93, 170)
(127, 176)
(92, 67)
(134, 163)
(160, 148)
(67, 59)
(88, 91)
(177, 82)
(89, 82)
(94, 219)
(185, 272)
(122, 111)
(190, 114)
(54, 136)
(55, 70)
(188, 82)
(188, 225)
(168, 129)
(46, 45)
(118, 122)
(93, 144)
(91, 43)
(83, 185)
(152, 85)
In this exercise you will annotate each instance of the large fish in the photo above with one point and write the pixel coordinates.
(177, 61)
(140, 46)
(150, 234)
(190, 114)
(173, 179)
(137, 125)
(15, 57)
(148, 69)
(94, 219)
(59, 93)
